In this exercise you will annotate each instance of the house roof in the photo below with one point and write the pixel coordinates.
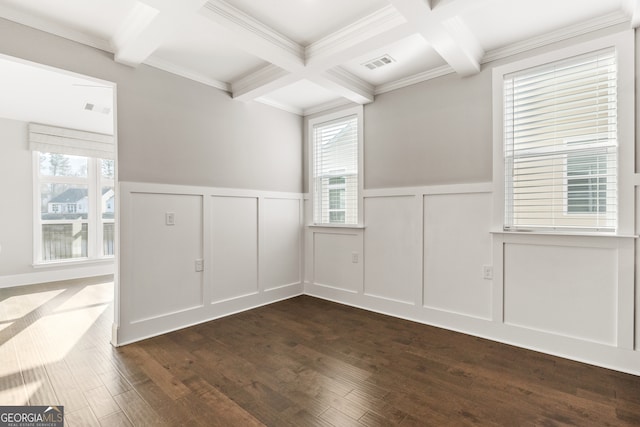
(71, 195)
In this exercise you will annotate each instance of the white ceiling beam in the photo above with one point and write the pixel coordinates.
(346, 85)
(261, 82)
(445, 31)
(254, 37)
(632, 8)
(382, 27)
(148, 26)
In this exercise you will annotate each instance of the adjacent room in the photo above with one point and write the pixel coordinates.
(305, 212)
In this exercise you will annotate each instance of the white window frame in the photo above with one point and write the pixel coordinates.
(94, 221)
(358, 111)
(623, 42)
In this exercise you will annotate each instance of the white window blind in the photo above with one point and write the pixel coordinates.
(335, 171)
(53, 139)
(560, 151)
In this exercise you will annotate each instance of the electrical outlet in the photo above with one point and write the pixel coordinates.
(354, 257)
(199, 265)
(170, 218)
(487, 272)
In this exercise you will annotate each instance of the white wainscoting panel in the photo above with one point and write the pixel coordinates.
(333, 265)
(234, 247)
(164, 279)
(280, 242)
(249, 241)
(308, 242)
(457, 244)
(637, 274)
(392, 263)
(563, 290)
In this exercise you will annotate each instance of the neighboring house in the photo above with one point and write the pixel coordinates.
(76, 201)
(70, 201)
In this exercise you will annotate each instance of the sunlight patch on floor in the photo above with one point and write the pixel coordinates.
(19, 394)
(18, 306)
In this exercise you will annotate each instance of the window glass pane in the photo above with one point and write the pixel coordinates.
(108, 203)
(54, 164)
(337, 217)
(107, 168)
(64, 201)
(336, 199)
(108, 233)
(64, 241)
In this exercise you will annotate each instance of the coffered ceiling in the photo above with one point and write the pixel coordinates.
(307, 55)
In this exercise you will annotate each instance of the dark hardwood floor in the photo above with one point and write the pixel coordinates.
(300, 362)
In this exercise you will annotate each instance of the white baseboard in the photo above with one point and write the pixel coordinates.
(130, 333)
(44, 276)
(610, 357)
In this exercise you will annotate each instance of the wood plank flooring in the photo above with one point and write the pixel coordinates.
(300, 362)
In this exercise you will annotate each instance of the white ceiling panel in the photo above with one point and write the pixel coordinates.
(202, 50)
(306, 21)
(32, 93)
(98, 18)
(516, 20)
(301, 96)
(411, 55)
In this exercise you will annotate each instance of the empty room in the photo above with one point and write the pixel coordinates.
(319, 212)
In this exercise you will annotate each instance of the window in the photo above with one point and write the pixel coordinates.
(74, 195)
(560, 138)
(68, 225)
(335, 167)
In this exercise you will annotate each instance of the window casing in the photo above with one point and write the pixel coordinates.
(335, 168)
(563, 133)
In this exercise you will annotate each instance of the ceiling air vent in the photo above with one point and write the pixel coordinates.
(379, 62)
(97, 108)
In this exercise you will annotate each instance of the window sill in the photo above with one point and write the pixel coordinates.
(74, 262)
(352, 226)
(563, 233)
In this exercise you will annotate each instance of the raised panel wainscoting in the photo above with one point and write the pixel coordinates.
(248, 242)
(422, 254)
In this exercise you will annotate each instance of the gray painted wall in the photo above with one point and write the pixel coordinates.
(175, 131)
(171, 130)
(16, 188)
(435, 132)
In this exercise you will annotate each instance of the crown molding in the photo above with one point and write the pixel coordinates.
(257, 84)
(414, 79)
(345, 84)
(576, 30)
(188, 74)
(244, 24)
(326, 106)
(50, 27)
(380, 21)
(280, 106)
